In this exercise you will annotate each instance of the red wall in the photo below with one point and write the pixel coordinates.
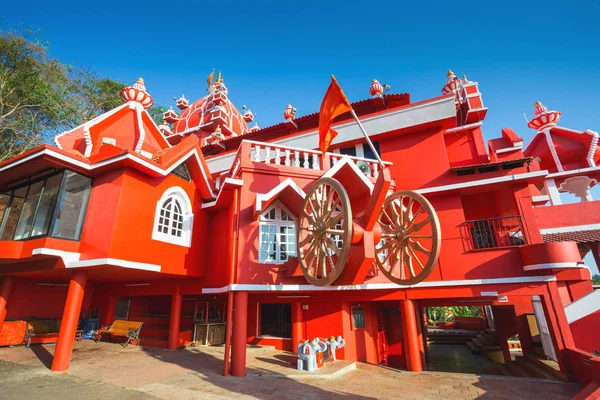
(586, 332)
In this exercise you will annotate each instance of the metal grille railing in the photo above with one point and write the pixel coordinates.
(492, 233)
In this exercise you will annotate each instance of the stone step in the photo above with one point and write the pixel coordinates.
(534, 367)
(549, 366)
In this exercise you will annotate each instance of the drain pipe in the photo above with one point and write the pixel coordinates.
(233, 240)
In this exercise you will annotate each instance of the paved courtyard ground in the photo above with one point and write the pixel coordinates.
(108, 371)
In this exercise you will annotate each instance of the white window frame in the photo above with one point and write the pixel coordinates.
(178, 195)
(278, 223)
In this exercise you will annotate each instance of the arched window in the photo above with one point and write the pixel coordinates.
(277, 240)
(173, 218)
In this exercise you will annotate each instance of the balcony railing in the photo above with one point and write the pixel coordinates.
(294, 157)
(493, 233)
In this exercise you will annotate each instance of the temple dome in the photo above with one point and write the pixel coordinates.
(203, 116)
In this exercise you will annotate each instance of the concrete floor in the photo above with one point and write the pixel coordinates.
(458, 358)
(108, 371)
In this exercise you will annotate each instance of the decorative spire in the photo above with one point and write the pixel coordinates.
(182, 103)
(450, 73)
(219, 78)
(376, 89)
(137, 93)
(543, 119)
(290, 113)
(170, 116)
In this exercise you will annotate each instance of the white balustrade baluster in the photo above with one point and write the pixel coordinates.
(288, 162)
(375, 168)
(277, 156)
(306, 165)
(334, 160)
(268, 155)
(315, 161)
(296, 158)
(257, 153)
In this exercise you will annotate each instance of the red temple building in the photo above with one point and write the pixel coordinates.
(210, 222)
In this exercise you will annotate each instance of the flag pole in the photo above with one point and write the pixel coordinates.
(368, 139)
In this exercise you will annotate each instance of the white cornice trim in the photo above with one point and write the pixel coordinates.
(508, 149)
(89, 167)
(67, 256)
(574, 172)
(260, 198)
(375, 286)
(115, 262)
(560, 265)
(583, 307)
(346, 160)
(390, 120)
(482, 182)
(230, 181)
(464, 127)
(575, 228)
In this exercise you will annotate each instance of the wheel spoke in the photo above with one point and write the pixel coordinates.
(307, 239)
(414, 217)
(408, 213)
(409, 262)
(418, 227)
(414, 255)
(333, 221)
(397, 214)
(331, 210)
(419, 247)
(331, 245)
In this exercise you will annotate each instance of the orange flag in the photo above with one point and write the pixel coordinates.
(210, 77)
(334, 104)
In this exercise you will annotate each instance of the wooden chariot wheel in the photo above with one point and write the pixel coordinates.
(324, 232)
(410, 240)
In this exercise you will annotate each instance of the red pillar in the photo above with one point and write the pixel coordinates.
(70, 319)
(558, 326)
(5, 288)
(175, 322)
(411, 337)
(296, 324)
(240, 328)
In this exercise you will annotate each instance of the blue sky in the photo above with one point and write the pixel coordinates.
(275, 53)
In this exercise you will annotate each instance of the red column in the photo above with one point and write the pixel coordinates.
(175, 322)
(558, 326)
(240, 328)
(70, 319)
(5, 288)
(296, 324)
(411, 337)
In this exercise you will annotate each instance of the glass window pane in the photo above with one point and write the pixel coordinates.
(14, 213)
(4, 202)
(70, 210)
(46, 205)
(28, 212)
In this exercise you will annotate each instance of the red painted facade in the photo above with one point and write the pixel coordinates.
(173, 217)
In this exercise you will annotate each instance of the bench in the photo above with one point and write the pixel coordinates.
(46, 330)
(128, 329)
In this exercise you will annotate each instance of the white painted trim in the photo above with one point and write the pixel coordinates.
(574, 172)
(138, 114)
(115, 262)
(508, 149)
(263, 198)
(483, 182)
(464, 127)
(375, 286)
(67, 256)
(391, 120)
(552, 190)
(540, 199)
(575, 228)
(347, 160)
(177, 194)
(553, 152)
(359, 150)
(88, 167)
(476, 94)
(230, 181)
(485, 294)
(560, 265)
(583, 307)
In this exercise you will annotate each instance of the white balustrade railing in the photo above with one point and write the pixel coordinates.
(270, 153)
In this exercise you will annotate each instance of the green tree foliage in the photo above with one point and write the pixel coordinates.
(156, 112)
(41, 96)
(596, 279)
(444, 314)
